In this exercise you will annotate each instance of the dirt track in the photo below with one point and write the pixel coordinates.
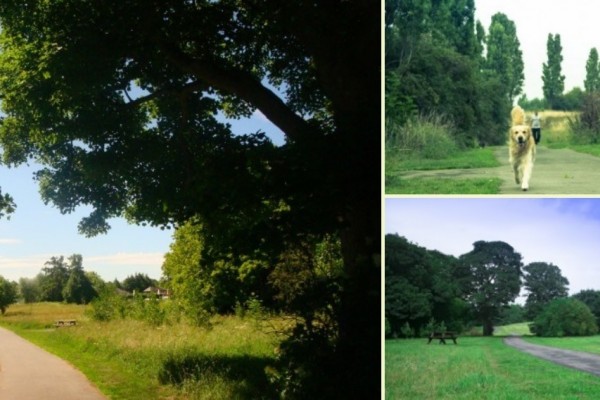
(30, 373)
(574, 359)
(559, 172)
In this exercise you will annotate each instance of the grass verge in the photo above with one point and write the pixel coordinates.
(399, 185)
(478, 368)
(589, 344)
(473, 158)
(132, 360)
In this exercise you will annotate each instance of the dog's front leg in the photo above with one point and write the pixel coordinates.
(527, 168)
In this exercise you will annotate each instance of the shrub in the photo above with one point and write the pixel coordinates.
(423, 137)
(565, 317)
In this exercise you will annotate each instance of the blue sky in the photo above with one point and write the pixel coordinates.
(561, 231)
(576, 21)
(37, 232)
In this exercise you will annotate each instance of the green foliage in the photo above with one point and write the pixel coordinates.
(78, 288)
(137, 283)
(592, 72)
(8, 294)
(591, 298)
(586, 127)
(504, 56)
(554, 81)
(533, 104)
(491, 276)
(544, 283)
(428, 137)
(565, 317)
(29, 289)
(420, 287)
(53, 279)
(7, 205)
(513, 314)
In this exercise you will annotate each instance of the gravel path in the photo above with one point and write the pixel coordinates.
(560, 171)
(574, 359)
(30, 373)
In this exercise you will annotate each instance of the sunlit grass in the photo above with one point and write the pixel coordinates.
(126, 358)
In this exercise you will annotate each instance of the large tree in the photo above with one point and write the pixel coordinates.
(491, 278)
(554, 80)
(78, 288)
(504, 56)
(119, 102)
(544, 283)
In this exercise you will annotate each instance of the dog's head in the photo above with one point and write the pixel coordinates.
(520, 134)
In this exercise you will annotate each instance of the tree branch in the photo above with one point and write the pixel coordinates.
(243, 85)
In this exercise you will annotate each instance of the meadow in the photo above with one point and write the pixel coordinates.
(478, 368)
(130, 360)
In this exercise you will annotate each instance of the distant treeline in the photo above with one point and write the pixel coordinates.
(427, 290)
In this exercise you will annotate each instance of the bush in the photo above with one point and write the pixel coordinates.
(565, 317)
(586, 127)
(427, 137)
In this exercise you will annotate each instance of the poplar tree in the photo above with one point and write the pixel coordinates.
(592, 72)
(554, 80)
(504, 56)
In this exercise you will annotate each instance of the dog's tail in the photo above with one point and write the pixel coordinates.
(518, 116)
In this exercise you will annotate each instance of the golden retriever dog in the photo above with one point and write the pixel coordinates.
(521, 148)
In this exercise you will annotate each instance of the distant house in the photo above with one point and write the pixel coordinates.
(122, 292)
(158, 292)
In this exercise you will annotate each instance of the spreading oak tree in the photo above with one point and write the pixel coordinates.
(119, 101)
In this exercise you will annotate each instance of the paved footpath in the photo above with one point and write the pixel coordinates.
(574, 359)
(29, 373)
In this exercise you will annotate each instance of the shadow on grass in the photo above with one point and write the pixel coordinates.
(179, 368)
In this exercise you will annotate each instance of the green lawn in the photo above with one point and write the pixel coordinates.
(590, 344)
(478, 368)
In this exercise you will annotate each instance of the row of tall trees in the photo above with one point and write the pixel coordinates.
(478, 287)
(439, 60)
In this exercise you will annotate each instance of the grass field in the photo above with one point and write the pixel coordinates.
(478, 368)
(132, 360)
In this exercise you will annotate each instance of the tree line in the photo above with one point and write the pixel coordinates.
(440, 60)
(66, 281)
(426, 289)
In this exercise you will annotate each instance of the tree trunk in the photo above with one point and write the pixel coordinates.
(488, 328)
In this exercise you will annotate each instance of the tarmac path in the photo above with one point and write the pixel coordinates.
(586, 362)
(556, 171)
(29, 373)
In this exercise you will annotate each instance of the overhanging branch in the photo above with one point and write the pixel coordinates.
(243, 85)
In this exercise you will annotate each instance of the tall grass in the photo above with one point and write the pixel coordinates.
(426, 136)
(134, 359)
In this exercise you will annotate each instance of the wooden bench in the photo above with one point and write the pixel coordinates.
(442, 336)
(65, 322)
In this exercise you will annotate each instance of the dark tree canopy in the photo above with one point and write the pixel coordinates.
(493, 271)
(119, 101)
(544, 283)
